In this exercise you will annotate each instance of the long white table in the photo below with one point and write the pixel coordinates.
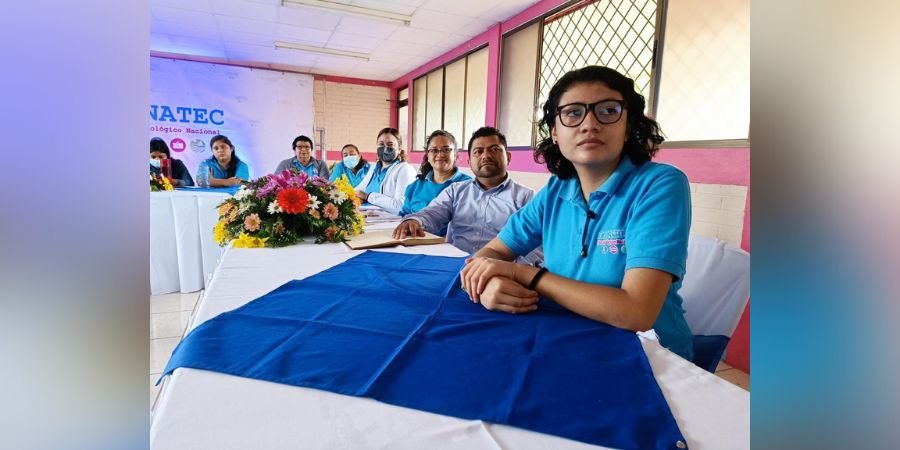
(207, 410)
(182, 249)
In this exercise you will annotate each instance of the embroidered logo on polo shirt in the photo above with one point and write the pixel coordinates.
(611, 241)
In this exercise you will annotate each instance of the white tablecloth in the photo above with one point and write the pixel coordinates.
(182, 250)
(208, 410)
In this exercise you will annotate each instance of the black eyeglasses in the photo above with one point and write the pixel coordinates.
(443, 150)
(605, 111)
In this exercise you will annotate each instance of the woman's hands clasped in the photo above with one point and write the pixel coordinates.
(492, 282)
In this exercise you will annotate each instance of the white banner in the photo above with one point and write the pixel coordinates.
(261, 111)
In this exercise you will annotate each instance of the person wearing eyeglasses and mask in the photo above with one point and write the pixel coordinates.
(352, 165)
(614, 225)
(436, 173)
(159, 151)
(385, 184)
(303, 160)
(473, 211)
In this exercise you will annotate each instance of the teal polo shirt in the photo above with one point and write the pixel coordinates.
(639, 217)
(421, 192)
(242, 171)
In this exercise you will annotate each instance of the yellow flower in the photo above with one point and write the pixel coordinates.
(246, 241)
(220, 235)
(358, 223)
(344, 186)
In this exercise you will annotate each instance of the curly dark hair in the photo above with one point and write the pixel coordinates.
(426, 166)
(644, 134)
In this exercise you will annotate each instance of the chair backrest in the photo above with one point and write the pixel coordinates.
(716, 286)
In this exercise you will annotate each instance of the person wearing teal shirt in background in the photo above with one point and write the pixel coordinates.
(303, 160)
(614, 226)
(436, 173)
(225, 168)
(385, 184)
(352, 165)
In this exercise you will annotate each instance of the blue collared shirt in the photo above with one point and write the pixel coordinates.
(473, 216)
(378, 177)
(421, 192)
(354, 179)
(642, 217)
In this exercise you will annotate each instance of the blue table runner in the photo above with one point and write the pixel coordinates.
(397, 328)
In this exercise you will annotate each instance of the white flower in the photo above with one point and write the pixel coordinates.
(245, 206)
(313, 202)
(274, 208)
(242, 193)
(337, 196)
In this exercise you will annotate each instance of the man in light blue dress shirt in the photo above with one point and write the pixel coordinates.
(474, 211)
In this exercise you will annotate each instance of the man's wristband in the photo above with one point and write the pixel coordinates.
(537, 277)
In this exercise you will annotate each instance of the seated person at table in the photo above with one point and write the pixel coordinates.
(352, 165)
(225, 168)
(474, 211)
(303, 160)
(159, 150)
(613, 225)
(436, 173)
(385, 184)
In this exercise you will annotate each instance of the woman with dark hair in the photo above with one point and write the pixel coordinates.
(385, 185)
(352, 165)
(614, 225)
(159, 151)
(225, 168)
(436, 173)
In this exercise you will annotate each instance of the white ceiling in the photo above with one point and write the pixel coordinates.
(244, 32)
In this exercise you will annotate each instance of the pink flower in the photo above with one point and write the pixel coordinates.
(330, 211)
(251, 223)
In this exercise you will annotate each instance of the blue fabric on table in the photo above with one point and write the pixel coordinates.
(397, 328)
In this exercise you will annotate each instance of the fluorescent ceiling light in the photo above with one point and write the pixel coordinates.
(351, 9)
(321, 50)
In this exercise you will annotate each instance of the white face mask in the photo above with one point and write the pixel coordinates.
(154, 163)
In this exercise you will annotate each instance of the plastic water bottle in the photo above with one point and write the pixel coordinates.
(203, 175)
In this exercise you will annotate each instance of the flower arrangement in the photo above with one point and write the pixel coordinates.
(279, 209)
(159, 183)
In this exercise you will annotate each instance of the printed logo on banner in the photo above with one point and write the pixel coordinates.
(177, 145)
(198, 145)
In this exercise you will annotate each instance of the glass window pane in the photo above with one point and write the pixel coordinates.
(420, 100)
(476, 93)
(704, 91)
(434, 108)
(454, 97)
(518, 73)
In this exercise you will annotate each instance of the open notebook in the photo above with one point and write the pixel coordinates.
(383, 238)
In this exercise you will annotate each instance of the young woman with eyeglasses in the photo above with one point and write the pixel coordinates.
(436, 173)
(614, 226)
(385, 184)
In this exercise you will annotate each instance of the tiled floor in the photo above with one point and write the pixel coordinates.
(170, 314)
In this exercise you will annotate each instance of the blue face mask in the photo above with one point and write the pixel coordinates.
(350, 161)
(154, 163)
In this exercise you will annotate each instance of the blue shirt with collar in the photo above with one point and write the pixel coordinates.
(472, 215)
(354, 179)
(421, 192)
(378, 177)
(639, 217)
(242, 172)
